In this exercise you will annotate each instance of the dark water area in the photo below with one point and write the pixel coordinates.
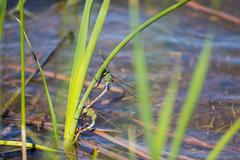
(176, 38)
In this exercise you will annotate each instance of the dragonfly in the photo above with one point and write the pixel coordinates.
(88, 110)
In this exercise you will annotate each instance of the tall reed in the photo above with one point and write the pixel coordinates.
(23, 106)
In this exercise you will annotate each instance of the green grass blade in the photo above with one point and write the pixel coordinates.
(23, 106)
(124, 43)
(86, 58)
(29, 145)
(95, 154)
(50, 105)
(3, 5)
(191, 99)
(224, 140)
(142, 86)
(165, 116)
(75, 87)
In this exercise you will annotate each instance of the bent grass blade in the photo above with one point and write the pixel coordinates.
(50, 105)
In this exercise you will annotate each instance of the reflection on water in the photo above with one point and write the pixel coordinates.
(175, 38)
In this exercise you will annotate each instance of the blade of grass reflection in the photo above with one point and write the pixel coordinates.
(140, 151)
(105, 151)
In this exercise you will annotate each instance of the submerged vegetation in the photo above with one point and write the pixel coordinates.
(80, 108)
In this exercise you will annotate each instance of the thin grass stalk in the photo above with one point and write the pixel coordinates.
(193, 94)
(142, 85)
(3, 5)
(86, 58)
(165, 115)
(50, 105)
(23, 106)
(121, 45)
(76, 85)
(224, 140)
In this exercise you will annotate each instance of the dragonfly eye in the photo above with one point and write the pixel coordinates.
(106, 72)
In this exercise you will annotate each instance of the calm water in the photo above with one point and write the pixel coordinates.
(176, 38)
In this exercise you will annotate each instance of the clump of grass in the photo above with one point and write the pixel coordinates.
(81, 63)
(75, 87)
